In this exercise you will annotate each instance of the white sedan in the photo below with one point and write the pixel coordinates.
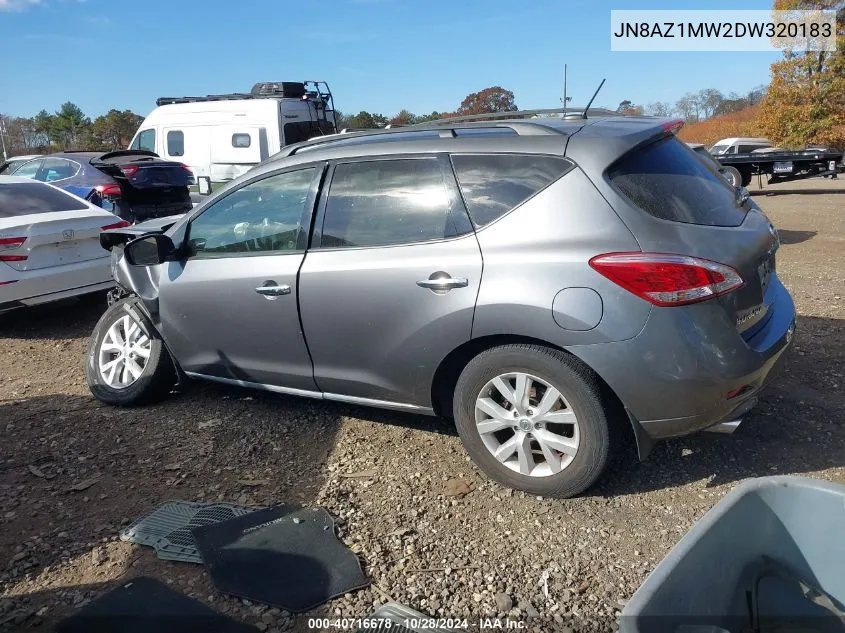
(49, 244)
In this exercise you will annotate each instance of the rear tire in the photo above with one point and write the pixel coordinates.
(732, 175)
(125, 363)
(582, 453)
(746, 178)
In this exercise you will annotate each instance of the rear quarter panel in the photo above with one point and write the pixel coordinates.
(543, 247)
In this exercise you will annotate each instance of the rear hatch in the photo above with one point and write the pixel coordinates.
(149, 186)
(42, 227)
(691, 210)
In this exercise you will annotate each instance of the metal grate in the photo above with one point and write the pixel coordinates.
(167, 529)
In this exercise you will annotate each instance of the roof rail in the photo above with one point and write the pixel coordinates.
(227, 97)
(522, 128)
(571, 111)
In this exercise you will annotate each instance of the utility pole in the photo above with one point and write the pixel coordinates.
(3, 135)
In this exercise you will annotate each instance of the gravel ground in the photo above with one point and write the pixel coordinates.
(431, 532)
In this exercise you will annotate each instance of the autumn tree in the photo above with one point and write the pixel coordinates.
(115, 129)
(805, 102)
(493, 99)
(626, 107)
(403, 117)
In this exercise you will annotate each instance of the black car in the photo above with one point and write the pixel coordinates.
(136, 185)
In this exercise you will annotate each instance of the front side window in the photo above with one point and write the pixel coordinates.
(493, 184)
(389, 202)
(261, 218)
(175, 143)
(146, 140)
(57, 169)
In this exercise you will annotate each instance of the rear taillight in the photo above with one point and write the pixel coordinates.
(129, 170)
(9, 245)
(108, 191)
(116, 225)
(673, 126)
(666, 279)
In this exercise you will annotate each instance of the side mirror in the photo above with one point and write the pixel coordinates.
(204, 185)
(149, 250)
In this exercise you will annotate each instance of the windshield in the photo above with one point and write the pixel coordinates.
(719, 149)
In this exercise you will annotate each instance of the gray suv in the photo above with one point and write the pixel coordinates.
(550, 284)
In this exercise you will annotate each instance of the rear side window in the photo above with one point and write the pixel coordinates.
(25, 198)
(493, 184)
(390, 202)
(665, 179)
(241, 140)
(57, 169)
(175, 143)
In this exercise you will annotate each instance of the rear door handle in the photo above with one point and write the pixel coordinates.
(270, 289)
(443, 282)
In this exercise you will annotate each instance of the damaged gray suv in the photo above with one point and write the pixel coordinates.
(550, 284)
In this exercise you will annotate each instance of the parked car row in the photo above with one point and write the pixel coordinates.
(134, 184)
(547, 283)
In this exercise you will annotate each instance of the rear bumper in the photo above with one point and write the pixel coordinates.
(31, 287)
(676, 376)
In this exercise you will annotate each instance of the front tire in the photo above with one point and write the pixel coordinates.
(532, 418)
(125, 363)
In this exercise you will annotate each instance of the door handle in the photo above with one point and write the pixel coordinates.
(272, 290)
(442, 282)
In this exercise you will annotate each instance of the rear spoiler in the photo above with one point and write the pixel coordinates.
(123, 153)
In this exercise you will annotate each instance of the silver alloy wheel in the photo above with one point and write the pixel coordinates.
(124, 353)
(527, 424)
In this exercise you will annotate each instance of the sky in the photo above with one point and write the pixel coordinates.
(376, 55)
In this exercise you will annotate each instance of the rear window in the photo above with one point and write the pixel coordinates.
(493, 184)
(666, 179)
(25, 198)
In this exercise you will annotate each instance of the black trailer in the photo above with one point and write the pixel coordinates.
(781, 166)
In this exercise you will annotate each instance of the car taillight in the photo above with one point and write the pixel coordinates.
(673, 126)
(666, 279)
(116, 225)
(186, 168)
(10, 244)
(109, 191)
(129, 170)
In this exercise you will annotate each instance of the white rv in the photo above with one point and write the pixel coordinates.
(223, 136)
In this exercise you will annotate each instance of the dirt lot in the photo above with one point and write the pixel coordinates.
(551, 563)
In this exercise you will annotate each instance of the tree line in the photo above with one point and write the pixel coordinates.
(492, 99)
(68, 128)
